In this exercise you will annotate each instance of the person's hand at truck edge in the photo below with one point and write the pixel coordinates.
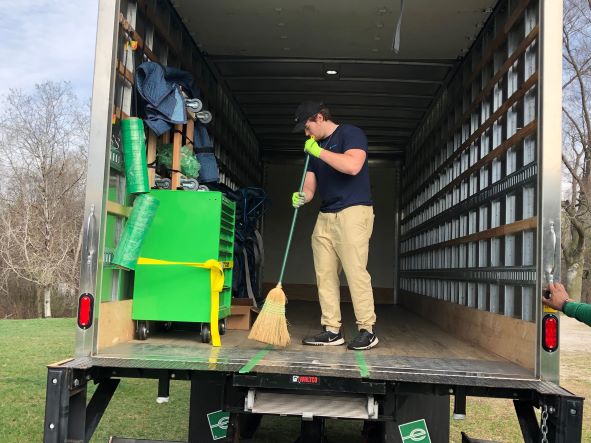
(558, 296)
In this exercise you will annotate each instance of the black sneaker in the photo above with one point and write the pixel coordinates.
(364, 340)
(325, 338)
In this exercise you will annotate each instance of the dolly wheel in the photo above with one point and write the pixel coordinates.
(142, 331)
(167, 326)
(222, 326)
(205, 333)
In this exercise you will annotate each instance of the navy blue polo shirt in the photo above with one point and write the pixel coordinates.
(338, 190)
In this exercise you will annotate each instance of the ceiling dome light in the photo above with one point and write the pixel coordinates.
(331, 71)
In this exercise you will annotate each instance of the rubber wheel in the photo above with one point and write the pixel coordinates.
(205, 333)
(197, 105)
(142, 331)
(222, 327)
(165, 183)
(204, 117)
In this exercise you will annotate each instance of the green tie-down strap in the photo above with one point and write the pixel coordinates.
(135, 231)
(133, 140)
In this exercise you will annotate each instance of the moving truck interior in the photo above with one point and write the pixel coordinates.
(462, 112)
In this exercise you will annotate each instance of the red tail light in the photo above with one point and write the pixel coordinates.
(550, 333)
(85, 308)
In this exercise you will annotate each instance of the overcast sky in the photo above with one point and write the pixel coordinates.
(47, 40)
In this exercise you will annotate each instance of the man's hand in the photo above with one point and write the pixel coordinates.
(298, 199)
(558, 296)
(312, 148)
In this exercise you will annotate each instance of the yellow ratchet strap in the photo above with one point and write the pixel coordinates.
(216, 273)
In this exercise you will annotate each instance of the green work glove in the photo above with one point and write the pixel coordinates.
(298, 199)
(312, 148)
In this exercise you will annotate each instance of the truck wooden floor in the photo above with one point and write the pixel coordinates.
(410, 349)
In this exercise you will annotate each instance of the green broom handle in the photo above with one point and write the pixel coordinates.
(293, 222)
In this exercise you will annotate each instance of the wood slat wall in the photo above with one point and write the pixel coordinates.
(474, 142)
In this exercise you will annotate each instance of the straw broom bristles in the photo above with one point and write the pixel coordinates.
(271, 325)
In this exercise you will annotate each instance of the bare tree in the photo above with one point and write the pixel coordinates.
(577, 141)
(42, 145)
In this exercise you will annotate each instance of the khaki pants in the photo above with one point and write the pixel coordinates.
(341, 241)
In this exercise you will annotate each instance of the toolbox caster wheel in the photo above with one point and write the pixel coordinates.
(205, 333)
(167, 326)
(222, 327)
(142, 331)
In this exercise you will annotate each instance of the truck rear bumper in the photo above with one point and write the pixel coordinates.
(224, 388)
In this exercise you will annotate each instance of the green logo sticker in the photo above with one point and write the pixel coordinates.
(415, 432)
(218, 423)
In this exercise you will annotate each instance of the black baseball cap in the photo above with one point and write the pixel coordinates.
(306, 110)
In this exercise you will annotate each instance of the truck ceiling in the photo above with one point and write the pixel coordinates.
(275, 54)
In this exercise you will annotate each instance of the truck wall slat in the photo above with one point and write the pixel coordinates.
(469, 214)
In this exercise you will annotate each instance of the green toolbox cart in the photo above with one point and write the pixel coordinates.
(190, 227)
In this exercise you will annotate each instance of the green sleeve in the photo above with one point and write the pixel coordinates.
(580, 311)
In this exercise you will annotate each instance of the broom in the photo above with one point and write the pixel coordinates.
(271, 325)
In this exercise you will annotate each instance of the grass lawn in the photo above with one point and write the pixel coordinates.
(27, 346)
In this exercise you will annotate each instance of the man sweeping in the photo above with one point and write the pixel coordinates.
(339, 172)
